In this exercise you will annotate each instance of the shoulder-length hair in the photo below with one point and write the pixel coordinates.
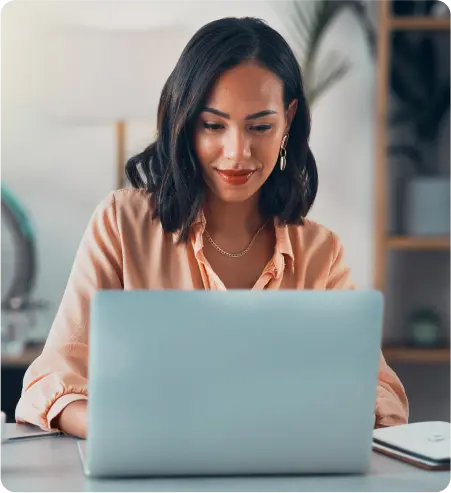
(171, 168)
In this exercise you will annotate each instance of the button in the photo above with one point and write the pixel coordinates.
(437, 438)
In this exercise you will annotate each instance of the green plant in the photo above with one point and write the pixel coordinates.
(308, 24)
(423, 96)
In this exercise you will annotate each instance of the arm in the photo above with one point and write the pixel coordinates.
(73, 419)
(392, 407)
(55, 388)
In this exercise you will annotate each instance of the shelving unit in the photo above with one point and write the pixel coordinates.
(384, 244)
(418, 24)
(22, 360)
(432, 243)
(417, 355)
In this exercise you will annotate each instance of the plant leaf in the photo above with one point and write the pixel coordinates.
(433, 113)
(428, 70)
(405, 150)
(402, 116)
(302, 17)
(404, 74)
(311, 20)
(359, 9)
(411, 152)
(330, 77)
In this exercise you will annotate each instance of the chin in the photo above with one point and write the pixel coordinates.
(234, 196)
(234, 193)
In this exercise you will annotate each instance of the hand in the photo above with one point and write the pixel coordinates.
(73, 419)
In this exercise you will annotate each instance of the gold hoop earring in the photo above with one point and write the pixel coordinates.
(283, 153)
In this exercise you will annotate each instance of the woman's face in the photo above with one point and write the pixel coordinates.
(240, 130)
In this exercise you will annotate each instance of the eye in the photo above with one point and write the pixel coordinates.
(213, 126)
(262, 128)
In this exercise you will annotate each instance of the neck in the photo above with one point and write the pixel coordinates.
(232, 219)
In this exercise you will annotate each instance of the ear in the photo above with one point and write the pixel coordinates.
(291, 112)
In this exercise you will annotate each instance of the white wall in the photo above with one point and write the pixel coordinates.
(342, 141)
(70, 68)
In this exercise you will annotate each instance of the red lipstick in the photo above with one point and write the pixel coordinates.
(235, 177)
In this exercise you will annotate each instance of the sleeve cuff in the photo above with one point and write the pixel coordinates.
(59, 405)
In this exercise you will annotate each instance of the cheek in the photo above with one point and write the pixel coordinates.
(207, 148)
(267, 151)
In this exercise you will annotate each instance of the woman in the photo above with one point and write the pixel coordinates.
(219, 202)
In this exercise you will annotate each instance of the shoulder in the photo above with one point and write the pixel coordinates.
(125, 198)
(128, 209)
(314, 237)
(131, 199)
(318, 252)
(127, 202)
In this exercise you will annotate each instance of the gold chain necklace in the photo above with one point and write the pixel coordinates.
(234, 255)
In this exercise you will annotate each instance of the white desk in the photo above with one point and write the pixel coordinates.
(53, 464)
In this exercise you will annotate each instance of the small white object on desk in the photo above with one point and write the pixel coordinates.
(24, 432)
(424, 444)
(3, 426)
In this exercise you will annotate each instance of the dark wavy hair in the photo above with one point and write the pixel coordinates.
(171, 171)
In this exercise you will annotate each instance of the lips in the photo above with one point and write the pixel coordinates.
(235, 177)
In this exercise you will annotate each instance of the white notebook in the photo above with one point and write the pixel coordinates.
(424, 444)
(24, 432)
(3, 418)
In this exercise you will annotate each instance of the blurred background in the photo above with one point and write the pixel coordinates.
(80, 85)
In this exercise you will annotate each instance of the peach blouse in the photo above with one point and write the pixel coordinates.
(123, 248)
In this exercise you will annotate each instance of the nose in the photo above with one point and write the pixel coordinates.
(237, 145)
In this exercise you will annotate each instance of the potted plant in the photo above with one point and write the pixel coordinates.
(423, 97)
(308, 24)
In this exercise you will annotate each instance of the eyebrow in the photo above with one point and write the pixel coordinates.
(253, 116)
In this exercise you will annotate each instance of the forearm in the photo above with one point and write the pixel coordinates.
(73, 419)
(392, 406)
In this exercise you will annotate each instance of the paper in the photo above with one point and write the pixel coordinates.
(23, 432)
(3, 426)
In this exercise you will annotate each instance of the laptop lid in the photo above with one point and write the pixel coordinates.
(235, 382)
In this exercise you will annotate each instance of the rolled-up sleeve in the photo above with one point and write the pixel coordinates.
(392, 406)
(59, 375)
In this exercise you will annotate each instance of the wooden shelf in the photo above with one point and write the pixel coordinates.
(418, 243)
(22, 360)
(416, 355)
(419, 23)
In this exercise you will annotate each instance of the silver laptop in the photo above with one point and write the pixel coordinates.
(232, 382)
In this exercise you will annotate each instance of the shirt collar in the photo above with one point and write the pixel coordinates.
(197, 231)
(283, 242)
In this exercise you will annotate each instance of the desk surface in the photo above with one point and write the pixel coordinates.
(53, 464)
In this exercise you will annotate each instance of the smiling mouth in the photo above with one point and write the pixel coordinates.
(235, 177)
